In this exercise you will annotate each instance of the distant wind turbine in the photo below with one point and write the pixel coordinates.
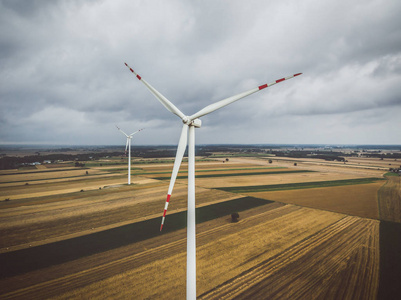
(188, 134)
(128, 145)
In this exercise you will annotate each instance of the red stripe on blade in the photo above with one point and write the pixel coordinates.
(168, 198)
(139, 77)
(161, 227)
(263, 87)
(297, 74)
(279, 80)
(164, 213)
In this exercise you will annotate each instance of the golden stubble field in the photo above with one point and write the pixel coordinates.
(359, 200)
(318, 243)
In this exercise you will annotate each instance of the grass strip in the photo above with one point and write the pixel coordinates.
(296, 186)
(34, 258)
(391, 174)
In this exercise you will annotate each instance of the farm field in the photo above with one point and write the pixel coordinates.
(280, 178)
(359, 200)
(315, 240)
(390, 200)
(352, 162)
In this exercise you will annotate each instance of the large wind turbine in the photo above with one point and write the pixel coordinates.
(188, 134)
(128, 145)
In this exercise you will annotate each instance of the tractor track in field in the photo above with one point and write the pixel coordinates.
(316, 267)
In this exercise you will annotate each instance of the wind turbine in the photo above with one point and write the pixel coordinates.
(128, 145)
(188, 134)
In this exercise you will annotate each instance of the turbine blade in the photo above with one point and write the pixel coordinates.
(163, 100)
(136, 131)
(122, 131)
(182, 144)
(126, 146)
(215, 106)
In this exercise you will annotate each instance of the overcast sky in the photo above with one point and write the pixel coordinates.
(63, 78)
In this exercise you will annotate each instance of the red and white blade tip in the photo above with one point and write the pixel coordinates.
(277, 81)
(137, 76)
(165, 211)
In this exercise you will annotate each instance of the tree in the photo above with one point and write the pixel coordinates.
(234, 217)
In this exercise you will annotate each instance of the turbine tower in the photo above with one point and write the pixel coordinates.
(188, 135)
(128, 145)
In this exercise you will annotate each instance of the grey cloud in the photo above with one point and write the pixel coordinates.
(62, 68)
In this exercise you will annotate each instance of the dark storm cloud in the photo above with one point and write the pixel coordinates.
(64, 81)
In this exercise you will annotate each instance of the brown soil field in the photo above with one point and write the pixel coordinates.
(358, 200)
(315, 247)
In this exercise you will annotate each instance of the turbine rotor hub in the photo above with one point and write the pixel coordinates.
(197, 123)
(186, 120)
